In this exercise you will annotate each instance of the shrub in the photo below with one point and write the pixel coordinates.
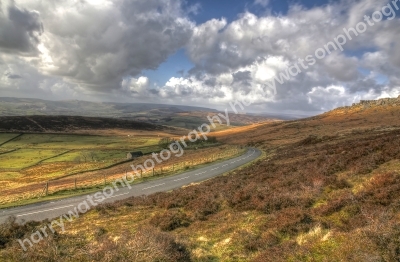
(11, 231)
(170, 220)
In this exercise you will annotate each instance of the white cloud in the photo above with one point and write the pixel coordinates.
(263, 3)
(93, 48)
(264, 46)
(96, 44)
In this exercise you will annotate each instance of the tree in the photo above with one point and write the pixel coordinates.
(84, 156)
(92, 155)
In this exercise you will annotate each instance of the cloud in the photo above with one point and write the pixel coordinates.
(99, 49)
(136, 86)
(96, 44)
(263, 3)
(20, 29)
(253, 49)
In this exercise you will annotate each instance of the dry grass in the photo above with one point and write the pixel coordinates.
(21, 188)
(331, 196)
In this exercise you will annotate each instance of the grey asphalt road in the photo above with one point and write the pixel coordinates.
(50, 210)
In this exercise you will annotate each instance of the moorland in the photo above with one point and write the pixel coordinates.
(326, 189)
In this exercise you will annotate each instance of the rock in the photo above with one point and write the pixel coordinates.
(365, 104)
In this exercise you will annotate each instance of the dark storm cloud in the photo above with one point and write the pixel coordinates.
(115, 41)
(365, 85)
(13, 76)
(212, 82)
(92, 45)
(99, 48)
(20, 29)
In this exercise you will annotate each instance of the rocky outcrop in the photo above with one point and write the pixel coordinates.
(380, 102)
(366, 104)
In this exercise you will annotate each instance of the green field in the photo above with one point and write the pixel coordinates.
(55, 141)
(94, 155)
(25, 157)
(48, 156)
(4, 137)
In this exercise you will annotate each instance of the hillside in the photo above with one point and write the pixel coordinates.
(28, 106)
(48, 124)
(188, 117)
(327, 189)
(364, 117)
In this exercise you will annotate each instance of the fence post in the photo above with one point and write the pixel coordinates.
(75, 184)
(47, 188)
(153, 171)
(105, 180)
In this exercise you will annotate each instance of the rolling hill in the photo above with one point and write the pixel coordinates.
(326, 189)
(66, 124)
(188, 117)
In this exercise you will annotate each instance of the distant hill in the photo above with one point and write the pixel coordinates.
(327, 188)
(187, 117)
(67, 124)
(27, 106)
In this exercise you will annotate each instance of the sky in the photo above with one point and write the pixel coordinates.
(202, 52)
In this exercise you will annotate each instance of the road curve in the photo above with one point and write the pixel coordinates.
(50, 210)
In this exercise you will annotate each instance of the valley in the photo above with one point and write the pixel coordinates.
(325, 186)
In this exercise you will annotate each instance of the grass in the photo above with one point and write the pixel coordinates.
(333, 196)
(83, 142)
(32, 159)
(33, 148)
(101, 155)
(25, 157)
(60, 194)
(4, 137)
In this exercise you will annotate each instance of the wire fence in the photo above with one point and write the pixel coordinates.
(99, 179)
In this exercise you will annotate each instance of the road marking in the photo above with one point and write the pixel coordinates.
(47, 210)
(119, 195)
(37, 212)
(153, 186)
(181, 178)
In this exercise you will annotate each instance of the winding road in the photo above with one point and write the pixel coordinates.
(49, 210)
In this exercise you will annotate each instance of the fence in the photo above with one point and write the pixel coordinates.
(100, 179)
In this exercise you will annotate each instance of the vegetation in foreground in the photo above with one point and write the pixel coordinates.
(333, 197)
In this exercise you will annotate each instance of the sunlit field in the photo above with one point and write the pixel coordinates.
(30, 161)
(34, 158)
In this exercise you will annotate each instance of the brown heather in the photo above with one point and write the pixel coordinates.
(327, 189)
